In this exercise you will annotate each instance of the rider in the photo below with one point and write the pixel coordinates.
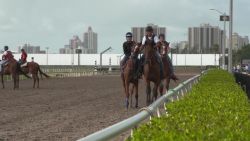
(163, 50)
(6, 57)
(151, 36)
(23, 60)
(127, 49)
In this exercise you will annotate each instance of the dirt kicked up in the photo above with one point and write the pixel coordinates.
(64, 109)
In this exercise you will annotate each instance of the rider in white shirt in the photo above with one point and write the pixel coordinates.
(151, 36)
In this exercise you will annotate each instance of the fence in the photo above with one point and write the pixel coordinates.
(114, 59)
(132, 122)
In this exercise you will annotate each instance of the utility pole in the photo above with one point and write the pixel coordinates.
(103, 53)
(224, 17)
(47, 52)
(230, 38)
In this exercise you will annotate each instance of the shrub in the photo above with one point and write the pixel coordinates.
(215, 109)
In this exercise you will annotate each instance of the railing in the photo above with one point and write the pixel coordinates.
(132, 122)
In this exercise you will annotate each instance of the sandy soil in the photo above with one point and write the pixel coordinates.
(64, 109)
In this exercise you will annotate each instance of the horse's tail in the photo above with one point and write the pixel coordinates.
(42, 73)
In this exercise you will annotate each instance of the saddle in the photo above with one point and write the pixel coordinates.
(24, 65)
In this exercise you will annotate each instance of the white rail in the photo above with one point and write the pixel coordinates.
(130, 123)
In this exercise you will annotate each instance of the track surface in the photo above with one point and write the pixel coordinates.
(64, 109)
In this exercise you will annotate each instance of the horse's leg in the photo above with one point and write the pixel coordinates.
(2, 80)
(37, 78)
(148, 92)
(136, 94)
(131, 95)
(167, 83)
(14, 80)
(123, 83)
(155, 92)
(161, 89)
(34, 80)
(17, 80)
(127, 93)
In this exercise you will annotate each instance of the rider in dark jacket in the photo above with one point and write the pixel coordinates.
(127, 49)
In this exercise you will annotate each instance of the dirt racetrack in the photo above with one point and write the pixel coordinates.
(64, 109)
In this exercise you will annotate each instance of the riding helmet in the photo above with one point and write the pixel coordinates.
(149, 29)
(6, 48)
(129, 34)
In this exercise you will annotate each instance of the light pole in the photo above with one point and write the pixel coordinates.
(102, 53)
(224, 17)
(201, 57)
(47, 48)
(177, 51)
(230, 37)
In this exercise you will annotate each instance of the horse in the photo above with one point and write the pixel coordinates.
(11, 68)
(33, 68)
(151, 70)
(166, 74)
(162, 49)
(129, 76)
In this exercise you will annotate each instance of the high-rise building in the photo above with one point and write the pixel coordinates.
(31, 49)
(139, 32)
(90, 41)
(75, 42)
(183, 47)
(204, 38)
(239, 41)
(88, 46)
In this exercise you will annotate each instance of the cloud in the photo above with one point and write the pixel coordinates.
(47, 24)
(77, 28)
(7, 24)
(111, 19)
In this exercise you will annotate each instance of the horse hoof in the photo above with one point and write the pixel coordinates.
(126, 104)
(136, 106)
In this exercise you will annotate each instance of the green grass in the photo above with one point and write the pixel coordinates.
(215, 109)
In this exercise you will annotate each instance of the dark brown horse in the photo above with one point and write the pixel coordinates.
(166, 74)
(162, 48)
(11, 69)
(33, 68)
(151, 70)
(129, 78)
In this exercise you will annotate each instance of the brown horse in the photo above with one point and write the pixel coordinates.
(11, 69)
(129, 77)
(166, 74)
(151, 70)
(33, 68)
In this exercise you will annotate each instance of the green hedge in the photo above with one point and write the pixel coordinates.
(215, 109)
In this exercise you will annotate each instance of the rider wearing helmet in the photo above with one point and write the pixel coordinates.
(6, 57)
(163, 49)
(151, 36)
(23, 59)
(127, 49)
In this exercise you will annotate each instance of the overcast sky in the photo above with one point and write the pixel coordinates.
(51, 23)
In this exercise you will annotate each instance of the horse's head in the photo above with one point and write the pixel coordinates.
(149, 43)
(149, 48)
(137, 48)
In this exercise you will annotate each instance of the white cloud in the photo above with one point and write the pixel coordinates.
(47, 24)
(77, 28)
(111, 19)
